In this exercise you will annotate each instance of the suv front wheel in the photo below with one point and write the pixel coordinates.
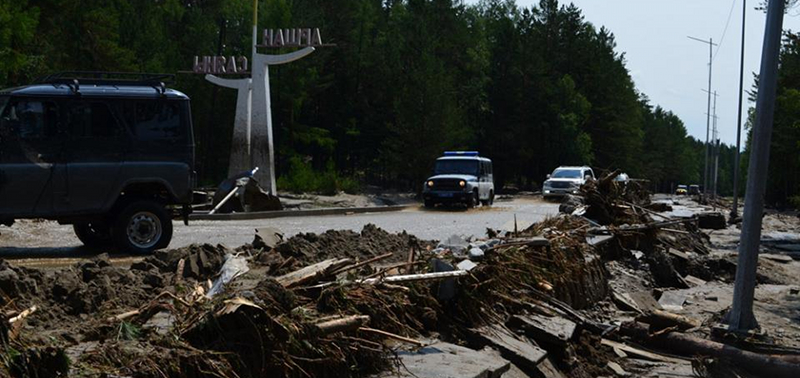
(143, 227)
(94, 235)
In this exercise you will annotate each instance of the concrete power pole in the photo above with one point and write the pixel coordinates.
(735, 207)
(711, 45)
(741, 317)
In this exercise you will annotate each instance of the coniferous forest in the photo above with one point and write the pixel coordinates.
(531, 88)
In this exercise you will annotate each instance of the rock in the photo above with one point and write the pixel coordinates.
(153, 280)
(476, 254)
(257, 199)
(456, 244)
(267, 238)
(711, 221)
(143, 265)
(444, 360)
(570, 203)
(466, 265)
(446, 289)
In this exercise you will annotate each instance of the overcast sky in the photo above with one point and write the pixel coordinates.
(673, 70)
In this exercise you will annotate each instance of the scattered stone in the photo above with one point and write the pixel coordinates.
(456, 244)
(267, 238)
(476, 254)
(672, 301)
(466, 265)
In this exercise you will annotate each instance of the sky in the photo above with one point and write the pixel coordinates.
(671, 69)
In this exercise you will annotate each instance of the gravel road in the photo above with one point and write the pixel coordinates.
(47, 244)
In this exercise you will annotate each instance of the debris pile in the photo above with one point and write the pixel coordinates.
(547, 301)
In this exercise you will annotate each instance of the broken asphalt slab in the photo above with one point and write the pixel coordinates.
(444, 360)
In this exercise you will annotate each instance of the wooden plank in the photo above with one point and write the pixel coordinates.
(521, 352)
(641, 353)
(544, 329)
(311, 273)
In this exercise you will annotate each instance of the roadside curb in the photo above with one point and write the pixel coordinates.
(300, 213)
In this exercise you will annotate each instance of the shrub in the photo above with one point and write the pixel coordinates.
(302, 178)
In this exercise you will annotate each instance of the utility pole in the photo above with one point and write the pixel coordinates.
(741, 317)
(712, 168)
(711, 45)
(735, 207)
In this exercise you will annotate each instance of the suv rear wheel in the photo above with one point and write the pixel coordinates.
(94, 235)
(489, 201)
(143, 227)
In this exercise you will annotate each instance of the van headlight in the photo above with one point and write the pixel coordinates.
(430, 184)
(462, 183)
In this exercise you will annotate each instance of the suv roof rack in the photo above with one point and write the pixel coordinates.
(75, 78)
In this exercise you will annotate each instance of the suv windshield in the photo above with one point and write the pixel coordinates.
(567, 173)
(456, 166)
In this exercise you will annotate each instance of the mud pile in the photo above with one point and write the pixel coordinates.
(372, 241)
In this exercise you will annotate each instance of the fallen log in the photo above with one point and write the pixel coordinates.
(775, 366)
(664, 319)
(344, 324)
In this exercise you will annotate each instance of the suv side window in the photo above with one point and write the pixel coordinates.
(92, 120)
(154, 120)
(28, 128)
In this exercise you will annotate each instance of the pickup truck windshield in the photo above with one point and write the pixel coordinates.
(567, 173)
(456, 167)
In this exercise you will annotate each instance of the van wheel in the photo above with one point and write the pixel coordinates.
(143, 227)
(94, 235)
(489, 201)
(474, 200)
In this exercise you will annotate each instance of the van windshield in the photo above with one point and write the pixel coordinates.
(456, 167)
(567, 173)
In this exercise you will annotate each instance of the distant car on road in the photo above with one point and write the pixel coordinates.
(460, 177)
(114, 157)
(566, 180)
(694, 189)
(682, 190)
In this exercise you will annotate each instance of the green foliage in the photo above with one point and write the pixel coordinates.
(302, 178)
(128, 331)
(532, 88)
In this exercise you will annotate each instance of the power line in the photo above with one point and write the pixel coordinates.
(725, 31)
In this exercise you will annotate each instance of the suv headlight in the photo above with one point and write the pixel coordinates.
(462, 183)
(430, 184)
(547, 184)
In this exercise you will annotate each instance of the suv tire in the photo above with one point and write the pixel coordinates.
(142, 227)
(474, 200)
(94, 235)
(489, 201)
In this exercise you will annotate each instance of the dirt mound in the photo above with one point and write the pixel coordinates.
(370, 242)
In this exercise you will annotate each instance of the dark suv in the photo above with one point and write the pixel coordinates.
(111, 154)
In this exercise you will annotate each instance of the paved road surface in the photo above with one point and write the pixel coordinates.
(47, 244)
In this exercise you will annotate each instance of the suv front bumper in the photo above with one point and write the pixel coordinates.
(446, 196)
(553, 192)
